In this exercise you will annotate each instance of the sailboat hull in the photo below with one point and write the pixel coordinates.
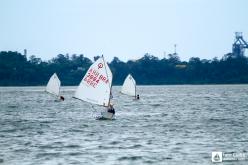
(105, 116)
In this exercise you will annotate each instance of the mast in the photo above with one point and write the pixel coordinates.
(134, 82)
(110, 86)
(135, 90)
(59, 87)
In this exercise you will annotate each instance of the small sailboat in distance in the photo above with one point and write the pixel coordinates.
(129, 86)
(53, 86)
(95, 87)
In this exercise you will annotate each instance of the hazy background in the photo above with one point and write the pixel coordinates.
(124, 28)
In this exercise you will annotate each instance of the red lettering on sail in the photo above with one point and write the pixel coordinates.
(100, 65)
(93, 78)
(103, 78)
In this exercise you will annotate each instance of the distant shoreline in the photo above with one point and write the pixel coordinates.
(17, 70)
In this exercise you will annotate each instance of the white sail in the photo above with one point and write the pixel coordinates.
(95, 87)
(53, 85)
(129, 86)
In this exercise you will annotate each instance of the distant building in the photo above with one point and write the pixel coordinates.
(81, 69)
(25, 52)
(181, 66)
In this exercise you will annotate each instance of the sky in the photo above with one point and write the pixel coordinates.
(126, 29)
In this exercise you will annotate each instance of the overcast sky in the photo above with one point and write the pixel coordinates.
(123, 28)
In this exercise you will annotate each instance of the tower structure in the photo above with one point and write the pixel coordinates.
(239, 45)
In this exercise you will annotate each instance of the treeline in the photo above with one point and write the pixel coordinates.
(18, 70)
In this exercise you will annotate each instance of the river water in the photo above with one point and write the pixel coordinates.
(169, 125)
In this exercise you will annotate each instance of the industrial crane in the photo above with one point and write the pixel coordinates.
(239, 45)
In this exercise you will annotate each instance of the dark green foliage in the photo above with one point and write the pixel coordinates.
(16, 69)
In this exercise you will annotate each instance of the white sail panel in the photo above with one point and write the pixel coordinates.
(129, 86)
(53, 85)
(95, 87)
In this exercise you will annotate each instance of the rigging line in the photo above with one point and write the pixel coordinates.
(94, 110)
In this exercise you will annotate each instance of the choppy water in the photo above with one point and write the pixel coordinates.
(169, 125)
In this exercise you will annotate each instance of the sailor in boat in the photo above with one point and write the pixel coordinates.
(108, 114)
(111, 109)
(137, 97)
(61, 98)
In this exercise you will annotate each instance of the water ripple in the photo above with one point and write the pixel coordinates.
(168, 125)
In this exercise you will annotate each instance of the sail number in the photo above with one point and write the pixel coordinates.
(93, 78)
